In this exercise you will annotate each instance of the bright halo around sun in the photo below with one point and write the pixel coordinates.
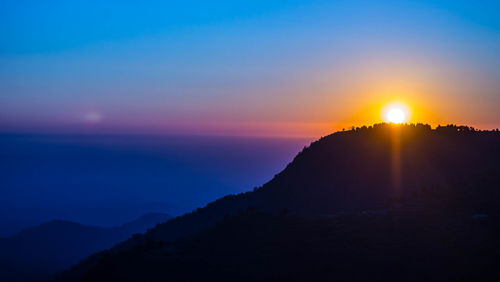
(396, 113)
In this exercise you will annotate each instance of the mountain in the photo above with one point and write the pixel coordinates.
(393, 170)
(257, 246)
(40, 251)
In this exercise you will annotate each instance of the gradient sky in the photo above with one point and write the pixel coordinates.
(275, 68)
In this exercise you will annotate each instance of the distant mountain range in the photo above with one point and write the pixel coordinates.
(41, 251)
(372, 184)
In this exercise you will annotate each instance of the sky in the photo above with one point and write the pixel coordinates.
(245, 68)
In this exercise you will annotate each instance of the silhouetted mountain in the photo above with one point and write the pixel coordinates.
(40, 251)
(385, 169)
(255, 246)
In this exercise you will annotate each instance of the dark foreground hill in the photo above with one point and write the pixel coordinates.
(41, 251)
(255, 246)
(409, 170)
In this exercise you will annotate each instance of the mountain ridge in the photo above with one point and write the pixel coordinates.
(53, 246)
(347, 171)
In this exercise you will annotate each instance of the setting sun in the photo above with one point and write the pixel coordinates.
(396, 113)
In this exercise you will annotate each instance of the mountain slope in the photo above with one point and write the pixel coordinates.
(255, 246)
(40, 251)
(368, 168)
(352, 170)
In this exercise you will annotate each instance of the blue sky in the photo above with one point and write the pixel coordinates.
(244, 67)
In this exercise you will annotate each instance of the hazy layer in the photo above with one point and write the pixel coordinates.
(107, 180)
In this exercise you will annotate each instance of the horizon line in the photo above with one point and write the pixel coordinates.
(117, 131)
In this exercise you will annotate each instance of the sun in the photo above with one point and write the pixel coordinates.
(396, 113)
